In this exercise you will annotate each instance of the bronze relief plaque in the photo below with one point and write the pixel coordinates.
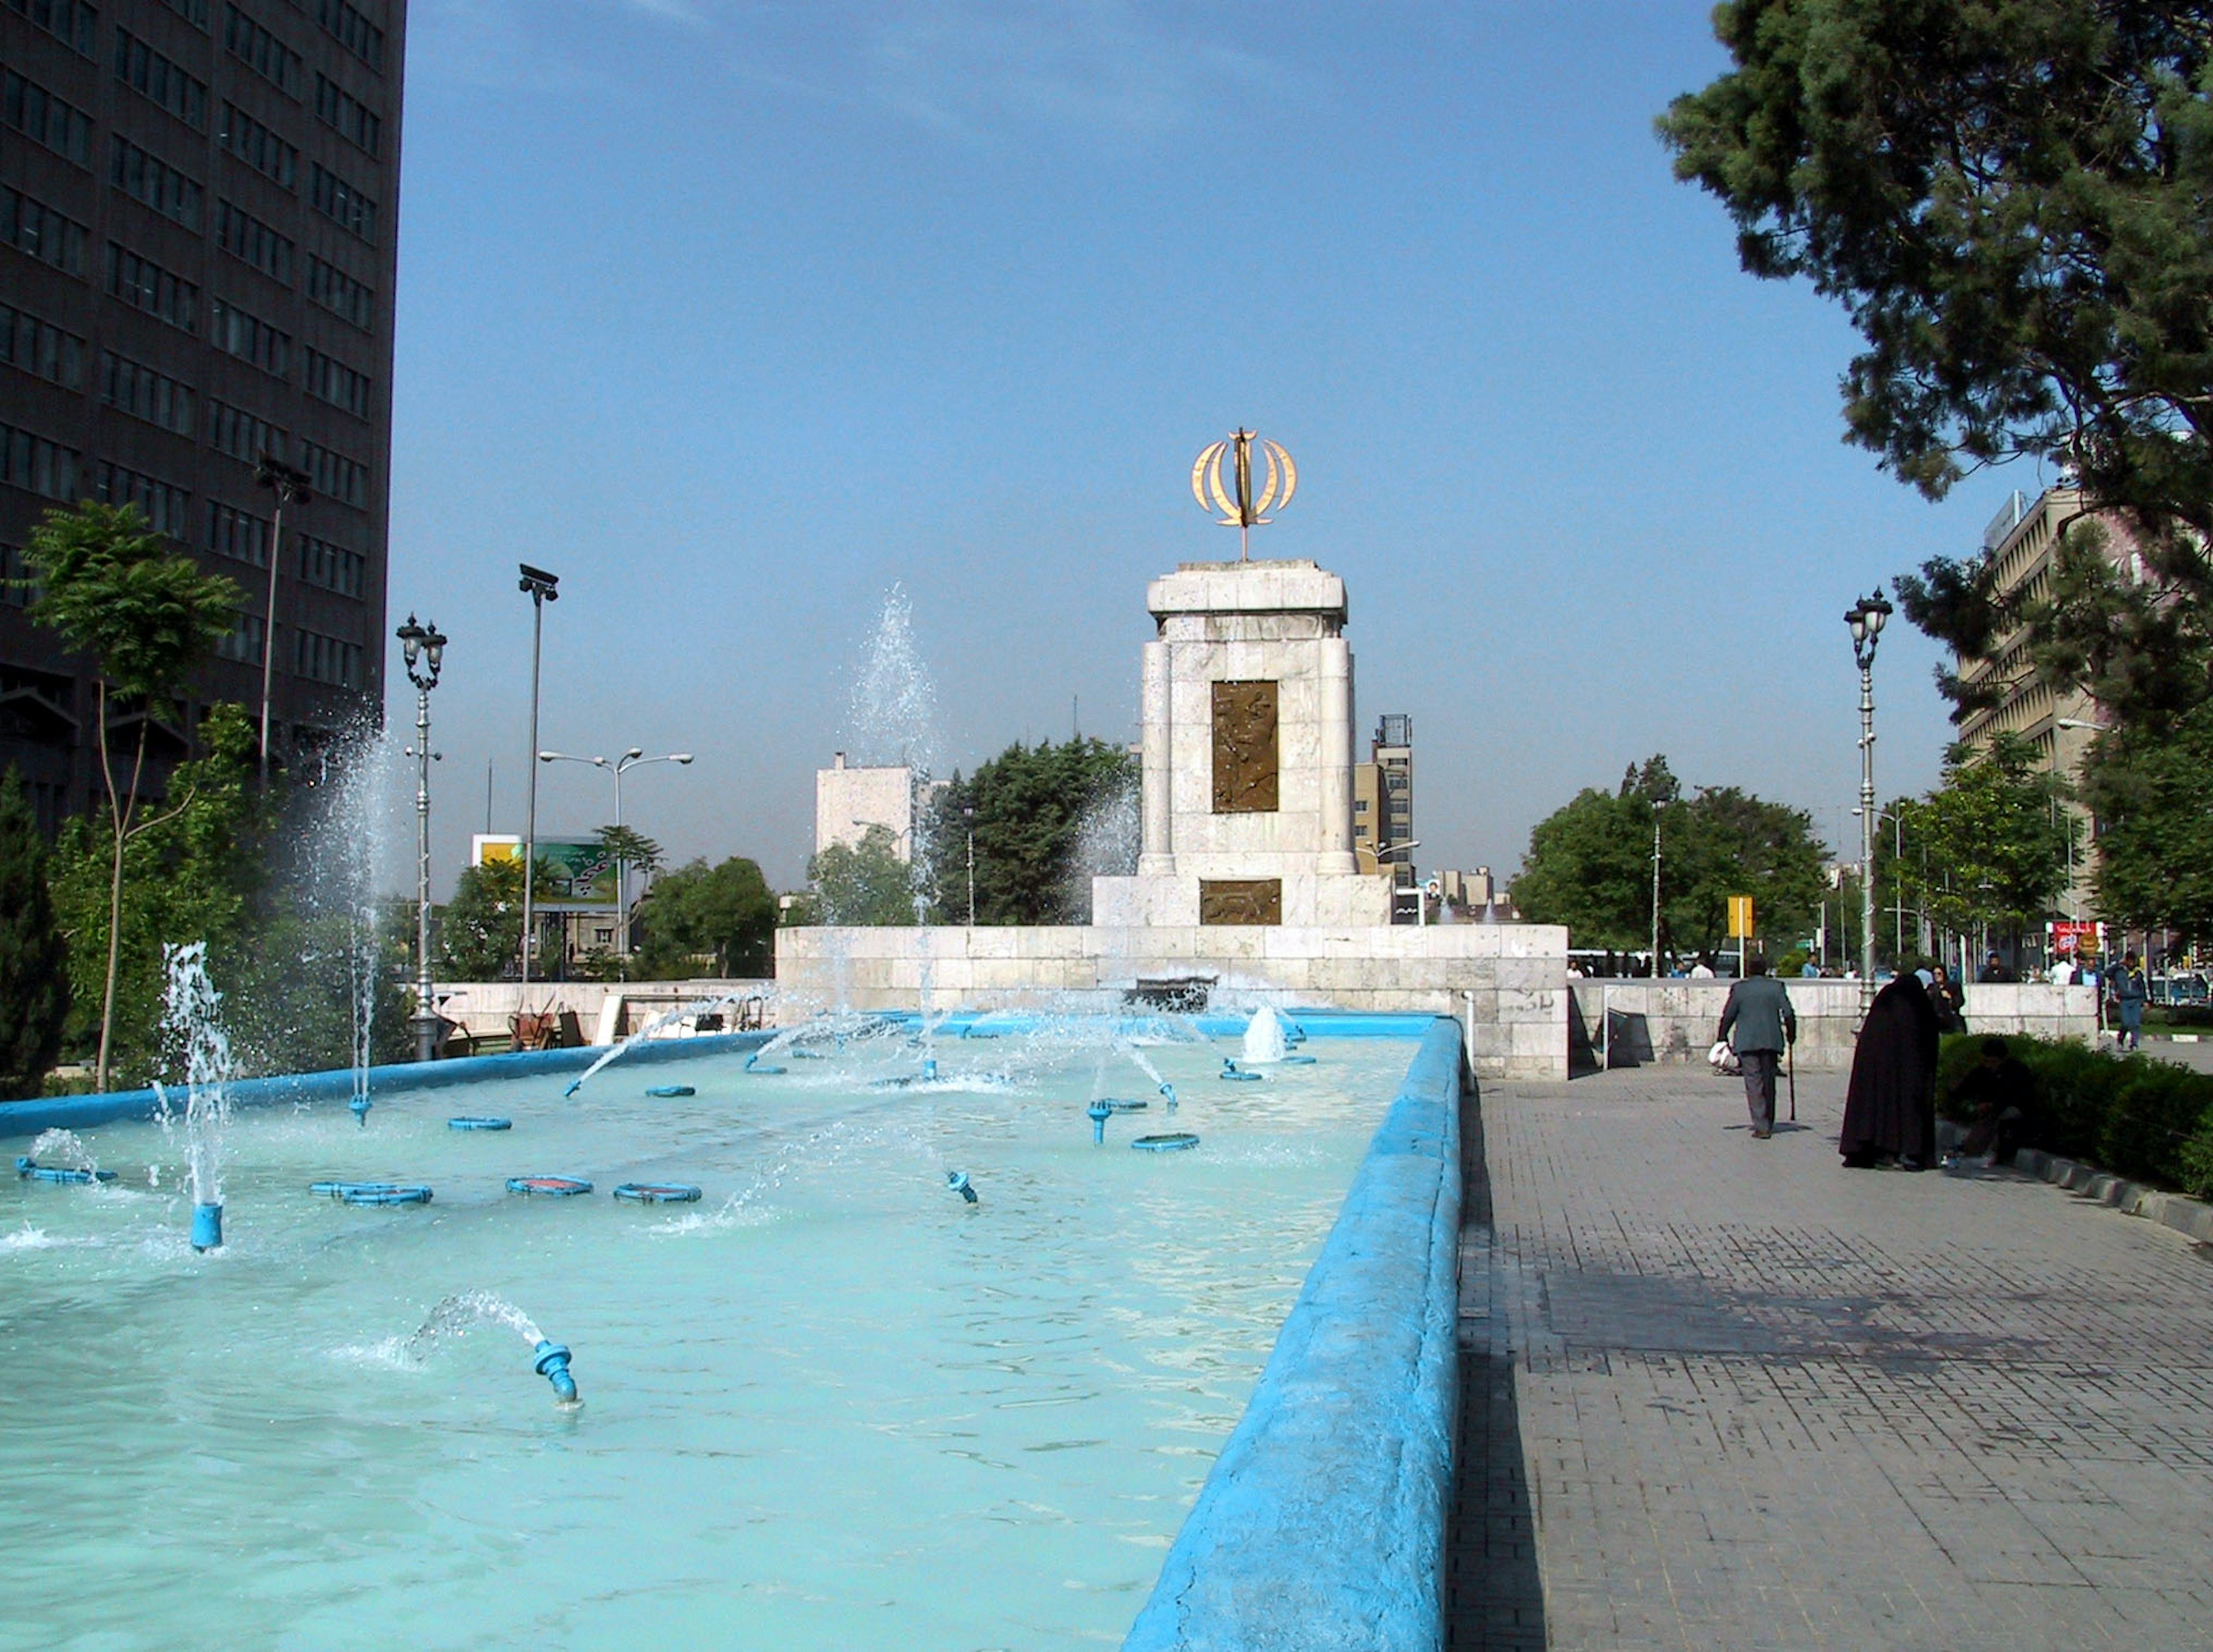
(1245, 762)
(1241, 900)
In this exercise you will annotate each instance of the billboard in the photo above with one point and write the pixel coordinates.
(583, 876)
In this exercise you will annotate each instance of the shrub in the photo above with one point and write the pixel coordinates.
(2149, 1120)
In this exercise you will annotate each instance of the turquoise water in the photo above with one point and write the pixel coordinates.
(830, 1405)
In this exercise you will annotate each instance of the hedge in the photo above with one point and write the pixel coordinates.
(2150, 1121)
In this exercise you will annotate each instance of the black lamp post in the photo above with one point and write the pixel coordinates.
(1866, 617)
(424, 647)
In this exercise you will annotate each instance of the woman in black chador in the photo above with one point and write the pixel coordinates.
(1890, 1111)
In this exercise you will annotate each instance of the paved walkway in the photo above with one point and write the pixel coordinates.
(1722, 1392)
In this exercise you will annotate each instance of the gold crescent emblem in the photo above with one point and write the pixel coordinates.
(1240, 508)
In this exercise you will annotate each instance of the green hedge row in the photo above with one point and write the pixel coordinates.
(2147, 1120)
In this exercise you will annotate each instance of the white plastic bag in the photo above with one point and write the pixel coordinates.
(1723, 1059)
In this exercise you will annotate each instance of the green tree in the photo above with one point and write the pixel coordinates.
(190, 872)
(480, 928)
(864, 883)
(1046, 817)
(1999, 842)
(2153, 796)
(34, 983)
(147, 618)
(721, 916)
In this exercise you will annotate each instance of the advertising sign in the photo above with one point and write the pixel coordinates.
(1740, 916)
(2074, 940)
(581, 878)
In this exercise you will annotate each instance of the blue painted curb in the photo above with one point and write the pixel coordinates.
(1323, 1522)
(77, 1112)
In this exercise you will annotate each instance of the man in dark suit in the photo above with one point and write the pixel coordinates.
(1759, 1009)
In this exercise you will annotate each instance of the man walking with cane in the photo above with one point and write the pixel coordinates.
(1758, 1010)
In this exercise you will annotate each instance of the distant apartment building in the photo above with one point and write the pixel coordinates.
(849, 800)
(199, 207)
(2021, 544)
(1383, 802)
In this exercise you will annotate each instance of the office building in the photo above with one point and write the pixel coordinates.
(848, 800)
(1383, 802)
(199, 208)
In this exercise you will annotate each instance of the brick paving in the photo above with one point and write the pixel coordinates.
(1722, 1392)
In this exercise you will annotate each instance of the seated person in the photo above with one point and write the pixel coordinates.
(2002, 1092)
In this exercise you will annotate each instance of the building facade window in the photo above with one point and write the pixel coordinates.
(168, 507)
(340, 294)
(68, 20)
(139, 391)
(347, 116)
(194, 12)
(352, 30)
(331, 660)
(332, 567)
(153, 182)
(41, 347)
(32, 463)
(244, 641)
(246, 336)
(154, 78)
(245, 237)
(237, 534)
(336, 477)
(32, 227)
(259, 148)
(16, 583)
(243, 435)
(144, 284)
(333, 381)
(342, 202)
(261, 52)
(45, 119)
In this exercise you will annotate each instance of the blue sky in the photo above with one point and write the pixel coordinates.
(735, 315)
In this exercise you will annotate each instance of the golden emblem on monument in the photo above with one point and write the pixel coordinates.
(1239, 506)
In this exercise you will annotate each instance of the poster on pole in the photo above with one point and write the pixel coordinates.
(581, 878)
(2076, 940)
(1740, 917)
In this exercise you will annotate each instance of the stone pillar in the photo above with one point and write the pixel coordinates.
(1336, 699)
(1157, 858)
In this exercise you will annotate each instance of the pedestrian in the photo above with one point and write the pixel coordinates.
(1890, 1106)
(1758, 1010)
(1702, 971)
(2129, 992)
(1995, 972)
(2063, 972)
(1949, 1002)
(2002, 1092)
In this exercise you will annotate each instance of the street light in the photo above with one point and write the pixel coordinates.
(1897, 858)
(1866, 619)
(633, 758)
(424, 647)
(968, 820)
(290, 487)
(538, 585)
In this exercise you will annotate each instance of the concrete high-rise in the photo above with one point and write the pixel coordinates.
(198, 215)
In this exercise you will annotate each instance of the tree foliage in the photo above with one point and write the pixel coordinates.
(34, 983)
(864, 883)
(480, 928)
(1046, 819)
(2154, 799)
(719, 918)
(1589, 864)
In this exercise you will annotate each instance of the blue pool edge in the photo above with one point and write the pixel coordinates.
(1323, 1521)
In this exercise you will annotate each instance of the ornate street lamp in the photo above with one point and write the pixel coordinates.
(423, 649)
(1866, 617)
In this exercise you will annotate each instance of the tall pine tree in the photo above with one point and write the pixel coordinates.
(34, 987)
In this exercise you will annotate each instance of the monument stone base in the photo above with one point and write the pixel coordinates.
(1307, 901)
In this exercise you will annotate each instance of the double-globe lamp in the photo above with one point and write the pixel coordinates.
(1866, 619)
(423, 649)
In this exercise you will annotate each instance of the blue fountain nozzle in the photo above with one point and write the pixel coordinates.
(359, 1106)
(958, 1181)
(929, 1066)
(572, 1090)
(207, 1227)
(1168, 1090)
(24, 1166)
(553, 1366)
(1099, 1111)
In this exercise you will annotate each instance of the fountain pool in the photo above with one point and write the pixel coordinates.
(832, 1405)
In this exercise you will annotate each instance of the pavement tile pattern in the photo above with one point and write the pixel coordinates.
(1722, 1392)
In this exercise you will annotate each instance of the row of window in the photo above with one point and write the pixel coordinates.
(259, 148)
(40, 347)
(261, 52)
(165, 506)
(71, 21)
(339, 292)
(31, 226)
(15, 581)
(142, 392)
(144, 284)
(335, 476)
(352, 30)
(153, 182)
(194, 12)
(347, 116)
(45, 119)
(243, 644)
(30, 461)
(237, 534)
(342, 202)
(244, 236)
(243, 435)
(330, 660)
(333, 567)
(155, 78)
(246, 336)
(335, 382)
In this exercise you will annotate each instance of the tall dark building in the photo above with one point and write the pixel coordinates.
(199, 208)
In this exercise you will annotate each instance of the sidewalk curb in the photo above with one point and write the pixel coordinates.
(2191, 1218)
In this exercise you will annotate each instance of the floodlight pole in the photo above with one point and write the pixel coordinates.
(538, 585)
(290, 487)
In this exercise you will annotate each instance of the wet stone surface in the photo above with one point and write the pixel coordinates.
(1719, 1392)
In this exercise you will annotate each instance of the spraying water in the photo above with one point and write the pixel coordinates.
(665, 1018)
(192, 1033)
(63, 1149)
(1265, 1039)
(453, 1318)
(1107, 839)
